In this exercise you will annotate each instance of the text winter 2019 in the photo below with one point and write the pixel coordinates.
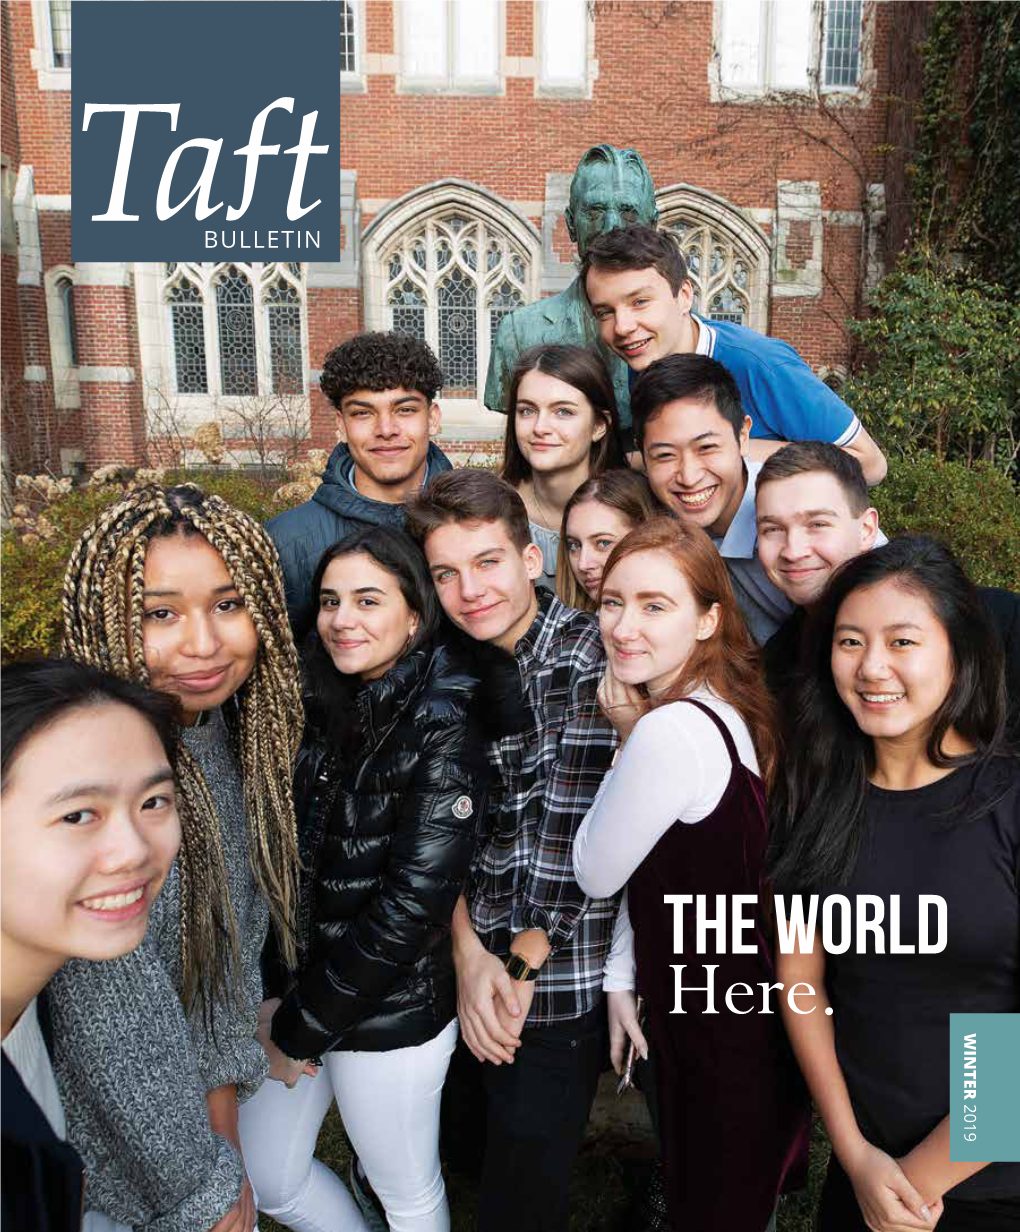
(203, 188)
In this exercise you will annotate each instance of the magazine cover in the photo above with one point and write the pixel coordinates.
(510, 619)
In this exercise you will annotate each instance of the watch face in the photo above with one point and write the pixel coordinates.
(517, 968)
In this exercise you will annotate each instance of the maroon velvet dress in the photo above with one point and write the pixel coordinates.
(734, 1112)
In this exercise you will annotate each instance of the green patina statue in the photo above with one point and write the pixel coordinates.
(611, 188)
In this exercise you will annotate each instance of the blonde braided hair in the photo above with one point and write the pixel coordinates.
(102, 603)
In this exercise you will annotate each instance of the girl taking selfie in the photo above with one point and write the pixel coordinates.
(89, 832)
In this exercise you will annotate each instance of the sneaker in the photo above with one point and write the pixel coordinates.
(365, 1196)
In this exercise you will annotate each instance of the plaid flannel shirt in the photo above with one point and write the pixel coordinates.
(522, 875)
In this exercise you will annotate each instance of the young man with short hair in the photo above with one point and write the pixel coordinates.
(383, 386)
(813, 515)
(637, 284)
(693, 435)
(529, 946)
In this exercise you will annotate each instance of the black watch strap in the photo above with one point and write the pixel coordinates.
(517, 968)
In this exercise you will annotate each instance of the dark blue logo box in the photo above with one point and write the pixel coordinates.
(222, 62)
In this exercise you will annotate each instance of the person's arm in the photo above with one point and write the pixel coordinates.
(871, 458)
(888, 1200)
(676, 764)
(486, 996)
(132, 1086)
(429, 857)
(787, 400)
(929, 1168)
(758, 448)
(618, 984)
(550, 898)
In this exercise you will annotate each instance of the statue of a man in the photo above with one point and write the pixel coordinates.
(611, 188)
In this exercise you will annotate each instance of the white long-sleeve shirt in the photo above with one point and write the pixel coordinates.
(673, 768)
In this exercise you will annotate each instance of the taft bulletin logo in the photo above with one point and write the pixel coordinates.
(207, 131)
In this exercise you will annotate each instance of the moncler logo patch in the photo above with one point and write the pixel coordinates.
(463, 807)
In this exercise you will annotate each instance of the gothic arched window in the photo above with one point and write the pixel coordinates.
(727, 255)
(235, 329)
(449, 278)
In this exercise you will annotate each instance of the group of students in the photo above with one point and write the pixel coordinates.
(420, 867)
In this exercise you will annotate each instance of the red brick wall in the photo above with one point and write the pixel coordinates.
(652, 92)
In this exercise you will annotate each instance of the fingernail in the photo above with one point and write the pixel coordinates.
(926, 1213)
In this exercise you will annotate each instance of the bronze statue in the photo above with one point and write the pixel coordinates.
(611, 188)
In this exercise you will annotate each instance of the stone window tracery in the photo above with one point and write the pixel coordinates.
(449, 280)
(235, 329)
(720, 271)
(729, 256)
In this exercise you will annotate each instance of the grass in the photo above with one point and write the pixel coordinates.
(607, 1177)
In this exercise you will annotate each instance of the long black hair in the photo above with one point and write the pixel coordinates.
(38, 692)
(819, 797)
(330, 694)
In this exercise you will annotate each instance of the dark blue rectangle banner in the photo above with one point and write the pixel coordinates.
(209, 132)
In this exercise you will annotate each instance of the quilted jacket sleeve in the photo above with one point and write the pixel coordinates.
(428, 862)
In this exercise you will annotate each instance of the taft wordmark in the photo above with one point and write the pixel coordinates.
(203, 187)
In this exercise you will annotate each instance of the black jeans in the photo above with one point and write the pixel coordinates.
(839, 1211)
(535, 1113)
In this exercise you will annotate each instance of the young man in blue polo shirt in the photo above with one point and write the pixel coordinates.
(640, 293)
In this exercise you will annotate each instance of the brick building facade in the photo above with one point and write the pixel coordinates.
(763, 125)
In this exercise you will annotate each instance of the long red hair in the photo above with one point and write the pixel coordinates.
(728, 662)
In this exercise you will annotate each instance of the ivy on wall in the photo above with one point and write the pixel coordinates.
(966, 167)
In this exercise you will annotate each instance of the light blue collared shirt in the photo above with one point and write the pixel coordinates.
(763, 605)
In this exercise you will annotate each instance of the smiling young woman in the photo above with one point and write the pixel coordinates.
(179, 590)
(561, 429)
(683, 812)
(599, 514)
(898, 776)
(90, 829)
(390, 785)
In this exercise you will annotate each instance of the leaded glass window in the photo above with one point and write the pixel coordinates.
(236, 329)
(449, 280)
(458, 333)
(842, 51)
(723, 275)
(186, 315)
(347, 48)
(60, 31)
(407, 308)
(235, 322)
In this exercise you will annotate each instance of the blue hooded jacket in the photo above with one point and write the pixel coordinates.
(302, 534)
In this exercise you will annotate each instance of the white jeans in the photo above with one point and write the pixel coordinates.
(389, 1103)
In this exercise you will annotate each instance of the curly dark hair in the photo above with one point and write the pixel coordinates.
(379, 361)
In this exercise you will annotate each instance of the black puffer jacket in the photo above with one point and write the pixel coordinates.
(386, 844)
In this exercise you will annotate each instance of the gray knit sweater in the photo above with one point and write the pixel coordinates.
(133, 1071)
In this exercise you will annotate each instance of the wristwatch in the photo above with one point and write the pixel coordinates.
(517, 968)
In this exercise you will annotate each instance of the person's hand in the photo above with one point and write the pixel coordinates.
(622, 704)
(281, 1067)
(623, 1027)
(524, 991)
(241, 1216)
(481, 982)
(888, 1201)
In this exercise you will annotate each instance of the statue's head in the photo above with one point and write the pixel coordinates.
(611, 188)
